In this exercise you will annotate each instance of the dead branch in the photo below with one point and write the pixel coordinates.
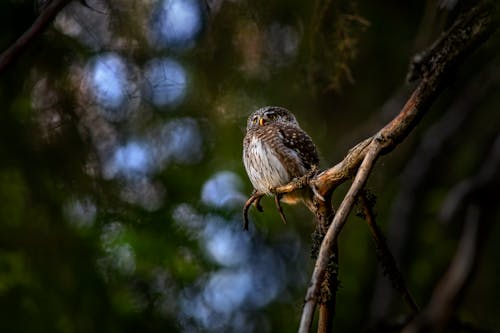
(464, 36)
(384, 255)
(37, 28)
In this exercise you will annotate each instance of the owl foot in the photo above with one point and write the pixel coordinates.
(277, 201)
(313, 172)
(255, 200)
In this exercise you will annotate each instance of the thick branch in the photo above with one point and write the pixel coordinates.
(40, 24)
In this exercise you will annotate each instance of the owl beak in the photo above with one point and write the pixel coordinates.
(261, 121)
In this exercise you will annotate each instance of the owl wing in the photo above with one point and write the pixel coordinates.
(297, 140)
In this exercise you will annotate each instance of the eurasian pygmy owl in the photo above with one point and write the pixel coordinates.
(276, 150)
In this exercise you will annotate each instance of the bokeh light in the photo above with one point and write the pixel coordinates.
(251, 274)
(132, 158)
(180, 141)
(108, 79)
(176, 23)
(90, 26)
(223, 190)
(225, 242)
(165, 82)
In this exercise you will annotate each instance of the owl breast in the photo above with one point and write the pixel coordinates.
(264, 167)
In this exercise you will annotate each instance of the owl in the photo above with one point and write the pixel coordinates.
(276, 150)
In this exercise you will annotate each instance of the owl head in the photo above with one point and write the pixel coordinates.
(268, 115)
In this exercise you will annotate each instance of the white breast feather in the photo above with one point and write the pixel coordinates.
(265, 171)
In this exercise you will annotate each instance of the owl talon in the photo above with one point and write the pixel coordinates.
(277, 198)
(256, 203)
(255, 200)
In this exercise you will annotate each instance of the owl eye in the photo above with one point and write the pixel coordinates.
(254, 120)
(271, 116)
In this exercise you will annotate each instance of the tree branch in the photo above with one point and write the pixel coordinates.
(464, 36)
(384, 255)
(433, 68)
(432, 149)
(330, 240)
(40, 24)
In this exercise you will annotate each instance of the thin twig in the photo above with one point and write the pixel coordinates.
(40, 24)
(384, 254)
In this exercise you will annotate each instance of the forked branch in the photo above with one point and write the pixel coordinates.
(433, 68)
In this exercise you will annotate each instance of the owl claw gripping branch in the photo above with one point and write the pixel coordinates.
(276, 151)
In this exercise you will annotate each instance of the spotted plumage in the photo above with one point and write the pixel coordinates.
(276, 150)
